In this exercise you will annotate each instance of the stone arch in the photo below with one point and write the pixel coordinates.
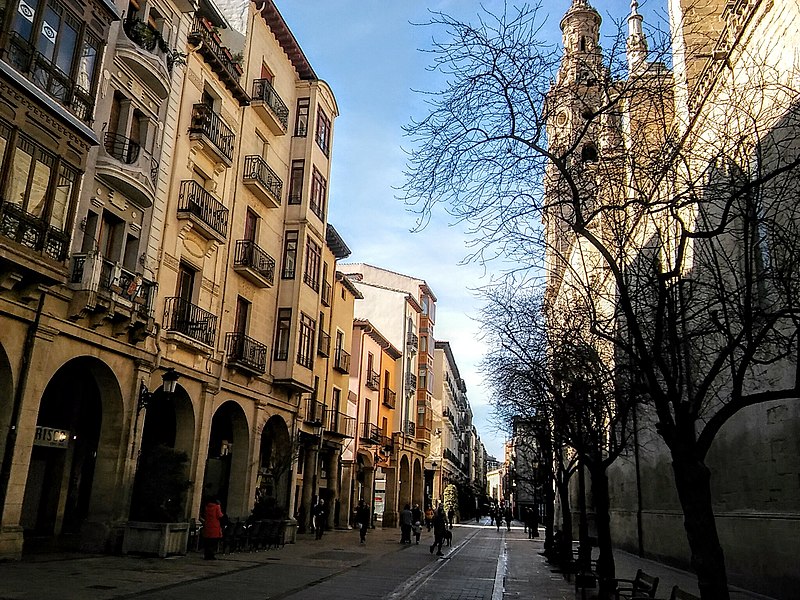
(405, 482)
(80, 433)
(418, 482)
(277, 455)
(7, 394)
(226, 474)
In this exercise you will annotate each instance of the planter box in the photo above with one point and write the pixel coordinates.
(160, 539)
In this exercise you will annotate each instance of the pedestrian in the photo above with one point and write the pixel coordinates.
(405, 524)
(212, 527)
(416, 514)
(533, 522)
(508, 516)
(498, 519)
(451, 515)
(439, 528)
(524, 516)
(319, 513)
(362, 520)
(429, 517)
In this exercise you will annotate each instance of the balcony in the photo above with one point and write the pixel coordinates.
(371, 434)
(341, 361)
(327, 292)
(33, 232)
(315, 412)
(411, 383)
(269, 106)
(387, 444)
(262, 181)
(103, 289)
(252, 263)
(46, 75)
(199, 206)
(389, 397)
(373, 380)
(208, 127)
(245, 353)
(412, 341)
(143, 50)
(128, 168)
(183, 317)
(324, 344)
(340, 424)
(410, 428)
(218, 57)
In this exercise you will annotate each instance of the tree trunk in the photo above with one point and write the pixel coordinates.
(565, 543)
(693, 483)
(549, 515)
(605, 562)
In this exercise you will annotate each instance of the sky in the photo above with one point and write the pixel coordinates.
(371, 54)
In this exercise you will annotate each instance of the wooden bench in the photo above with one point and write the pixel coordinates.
(641, 586)
(679, 594)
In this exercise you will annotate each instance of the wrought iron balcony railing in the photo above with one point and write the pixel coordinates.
(324, 344)
(389, 397)
(410, 428)
(209, 124)
(411, 382)
(340, 423)
(373, 380)
(371, 433)
(32, 232)
(327, 291)
(221, 56)
(315, 412)
(263, 90)
(256, 169)
(246, 352)
(92, 272)
(412, 341)
(250, 255)
(196, 200)
(128, 152)
(341, 361)
(190, 320)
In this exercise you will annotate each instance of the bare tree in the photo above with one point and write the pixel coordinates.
(673, 221)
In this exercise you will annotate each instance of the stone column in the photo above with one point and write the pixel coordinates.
(390, 500)
(333, 486)
(347, 504)
(309, 469)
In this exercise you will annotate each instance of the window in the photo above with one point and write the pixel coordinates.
(313, 259)
(283, 330)
(589, 153)
(305, 354)
(289, 255)
(319, 189)
(48, 47)
(422, 383)
(250, 225)
(242, 314)
(112, 229)
(301, 123)
(296, 182)
(323, 136)
(40, 186)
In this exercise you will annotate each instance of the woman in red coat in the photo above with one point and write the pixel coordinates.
(212, 527)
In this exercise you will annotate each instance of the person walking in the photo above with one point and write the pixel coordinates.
(212, 527)
(451, 515)
(509, 515)
(362, 518)
(429, 517)
(320, 514)
(532, 523)
(439, 528)
(416, 522)
(405, 524)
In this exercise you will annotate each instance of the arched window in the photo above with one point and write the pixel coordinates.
(583, 44)
(589, 153)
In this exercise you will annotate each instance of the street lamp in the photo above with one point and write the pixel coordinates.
(170, 379)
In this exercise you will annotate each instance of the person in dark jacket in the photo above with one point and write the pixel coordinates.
(362, 518)
(406, 521)
(212, 528)
(320, 514)
(439, 529)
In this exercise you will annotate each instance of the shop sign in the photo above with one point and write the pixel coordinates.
(52, 438)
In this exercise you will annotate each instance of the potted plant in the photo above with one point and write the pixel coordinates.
(157, 524)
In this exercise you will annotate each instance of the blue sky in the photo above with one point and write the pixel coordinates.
(369, 53)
